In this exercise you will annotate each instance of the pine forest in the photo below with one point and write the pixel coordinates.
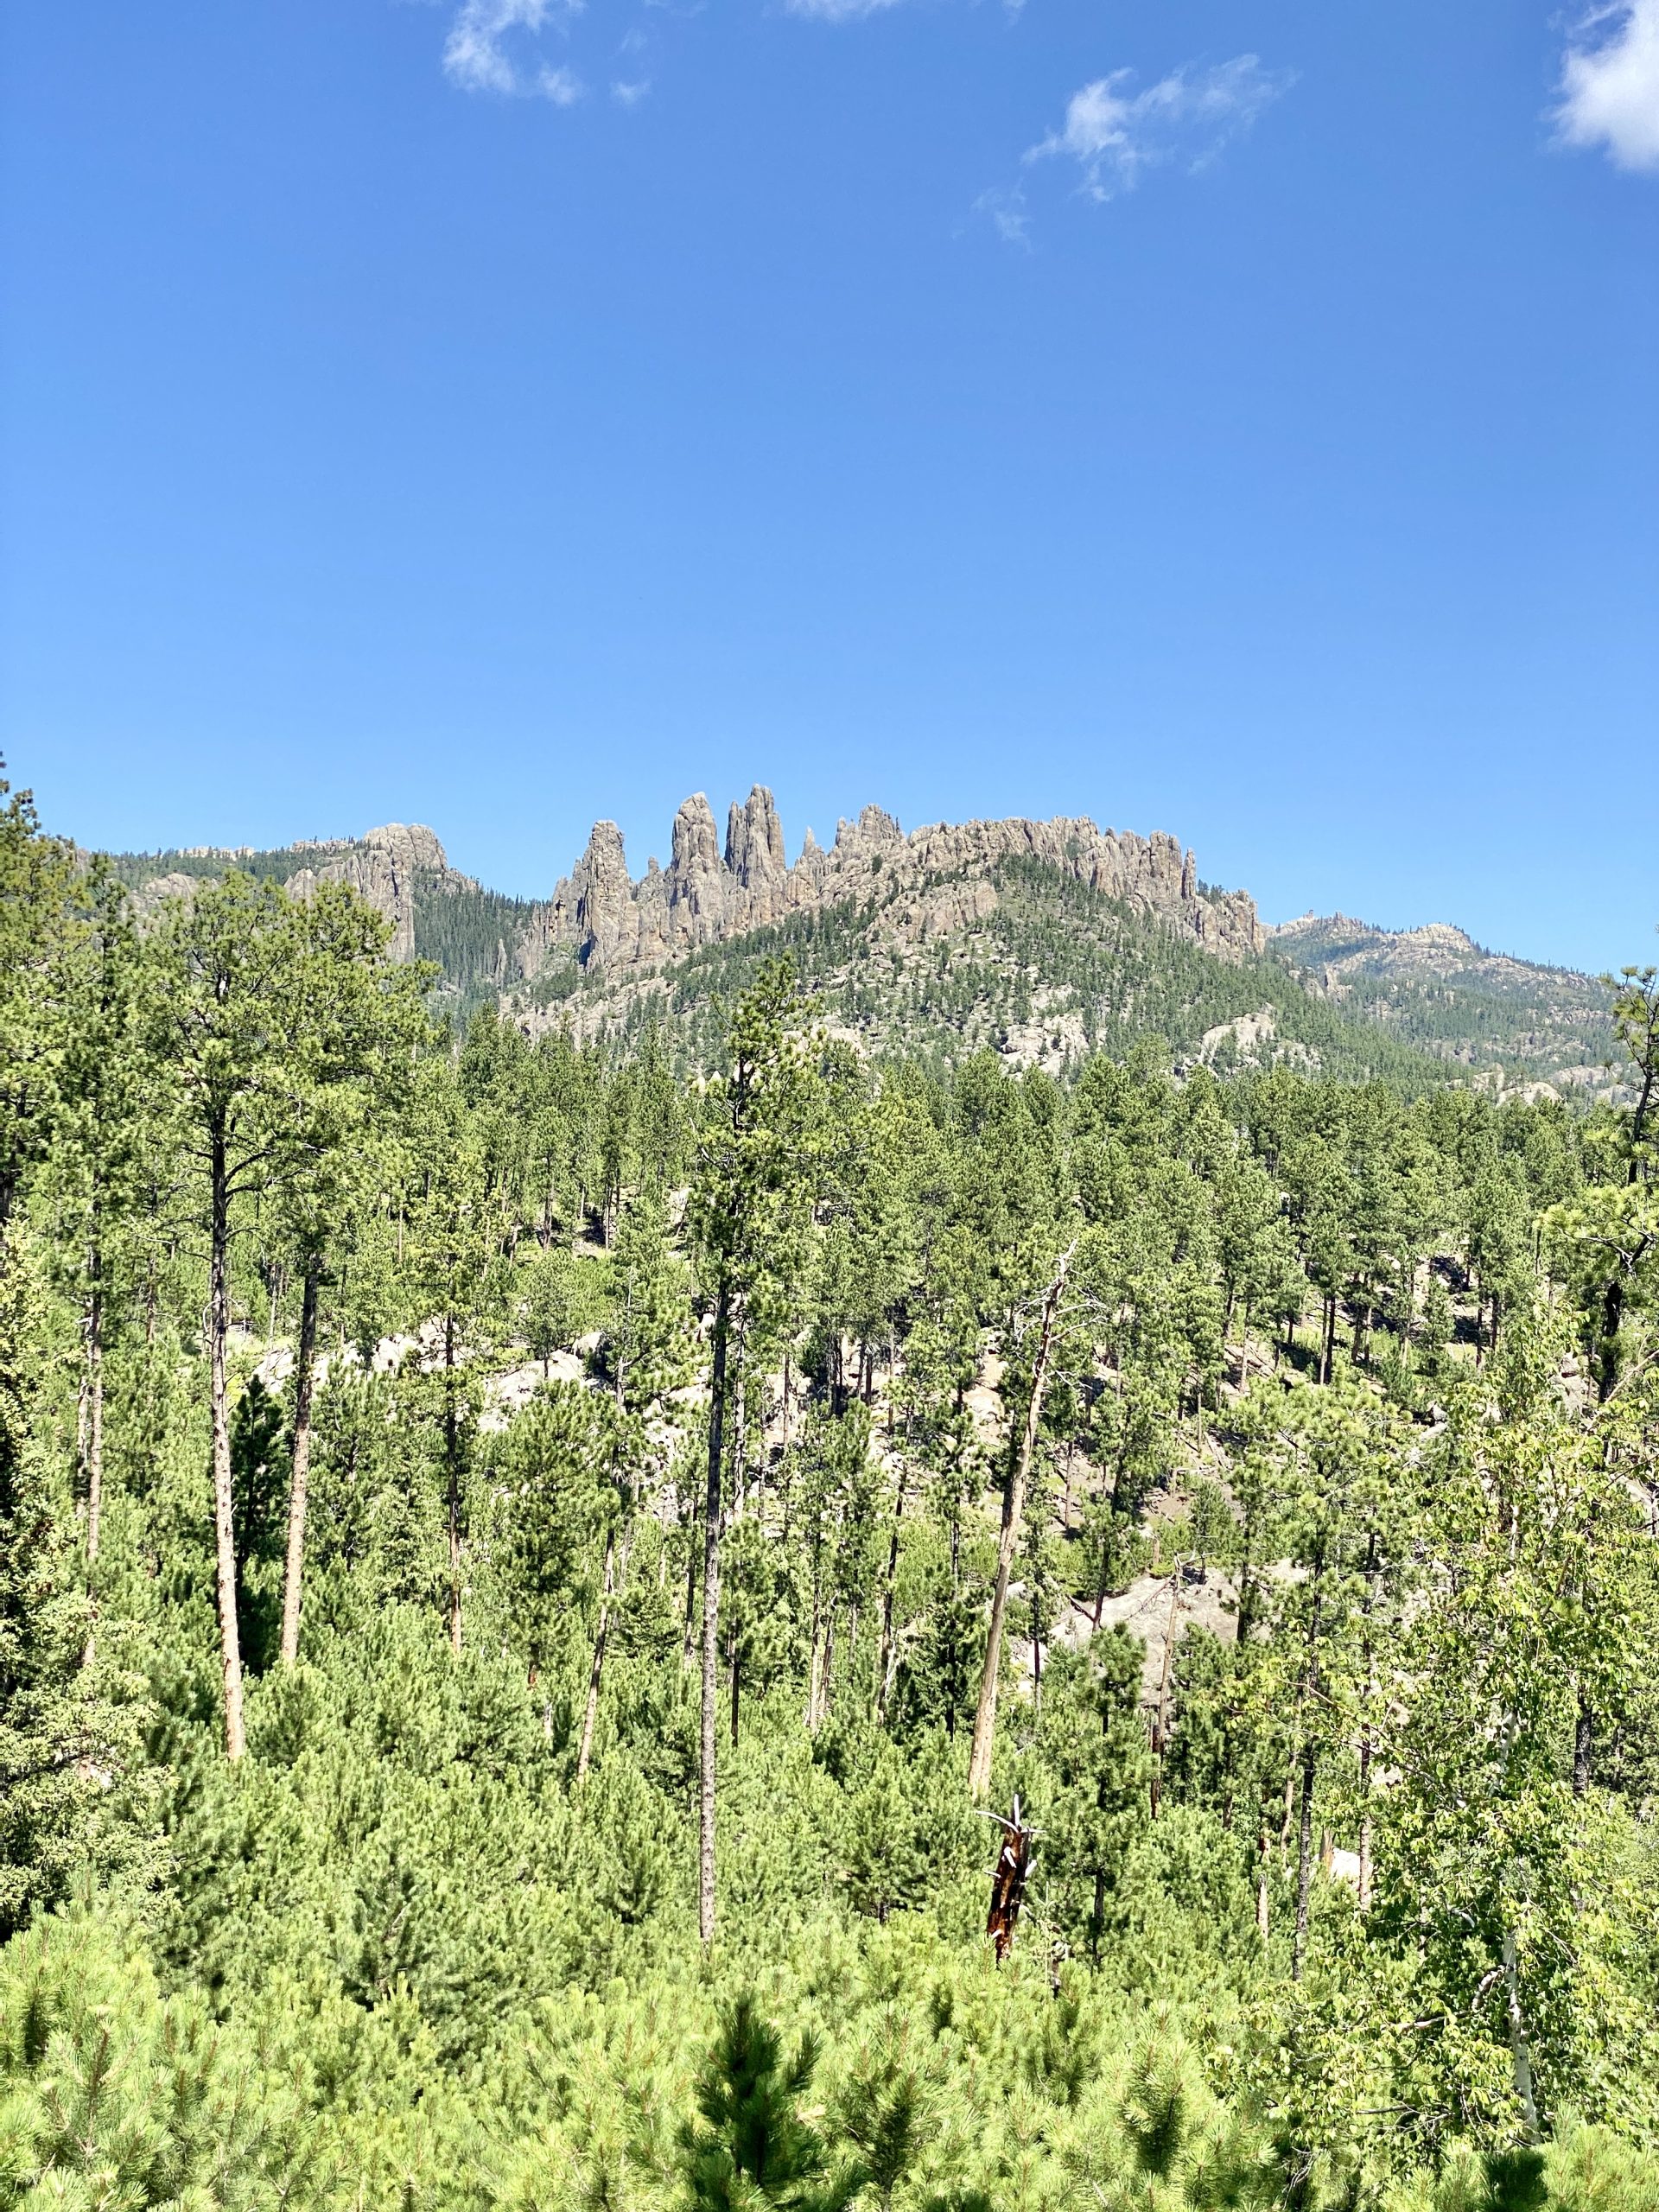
(703, 1619)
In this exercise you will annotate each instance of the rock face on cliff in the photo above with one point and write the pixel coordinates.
(386, 868)
(930, 882)
(392, 867)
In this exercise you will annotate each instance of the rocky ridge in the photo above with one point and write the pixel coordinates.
(1437, 986)
(932, 883)
(391, 866)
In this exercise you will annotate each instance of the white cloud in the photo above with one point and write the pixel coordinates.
(562, 87)
(1004, 207)
(629, 95)
(1610, 83)
(1188, 116)
(476, 55)
(837, 11)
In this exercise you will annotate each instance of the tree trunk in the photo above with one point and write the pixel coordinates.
(299, 1486)
(1612, 1318)
(885, 1658)
(1520, 2043)
(452, 1478)
(1304, 1859)
(590, 1714)
(1014, 1506)
(219, 1330)
(711, 1616)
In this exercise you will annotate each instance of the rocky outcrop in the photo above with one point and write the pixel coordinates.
(390, 868)
(932, 883)
(151, 897)
(386, 868)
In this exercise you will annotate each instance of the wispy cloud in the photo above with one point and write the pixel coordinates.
(1186, 118)
(628, 94)
(1004, 208)
(837, 11)
(480, 53)
(1610, 83)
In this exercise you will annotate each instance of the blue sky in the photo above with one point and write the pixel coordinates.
(1230, 418)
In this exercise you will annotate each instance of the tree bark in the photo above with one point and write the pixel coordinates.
(219, 1330)
(1520, 2042)
(1014, 1506)
(299, 1483)
(711, 1616)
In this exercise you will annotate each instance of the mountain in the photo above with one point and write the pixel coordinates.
(1042, 940)
(1436, 988)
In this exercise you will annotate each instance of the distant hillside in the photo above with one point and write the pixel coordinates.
(1436, 988)
(1044, 941)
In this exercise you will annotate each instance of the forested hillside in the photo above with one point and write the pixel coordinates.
(1440, 990)
(1053, 972)
(1044, 942)
(855, 1624)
